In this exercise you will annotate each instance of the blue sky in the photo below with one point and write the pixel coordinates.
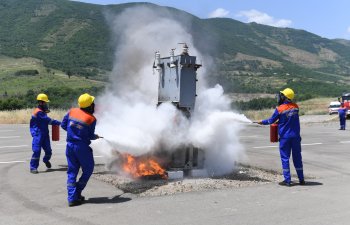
(327, 18)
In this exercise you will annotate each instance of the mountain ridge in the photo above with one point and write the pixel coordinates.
(75, 38)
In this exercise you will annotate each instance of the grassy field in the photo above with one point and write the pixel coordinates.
(316, 106)
(19, 85)
(23, 116)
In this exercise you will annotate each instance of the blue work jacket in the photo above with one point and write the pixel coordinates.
(80, 126)
(287, 115)
(342, 111)
(39, 123)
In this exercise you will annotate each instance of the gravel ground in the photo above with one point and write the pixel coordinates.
(242, 177)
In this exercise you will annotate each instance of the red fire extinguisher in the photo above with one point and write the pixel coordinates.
(55, 133)
(274, 132)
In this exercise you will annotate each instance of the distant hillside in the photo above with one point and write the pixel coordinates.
(73, 37)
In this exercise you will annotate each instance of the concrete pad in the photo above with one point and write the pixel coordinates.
(175, 175)
(198, 173)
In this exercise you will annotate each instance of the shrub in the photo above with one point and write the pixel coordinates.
(256, 104)
(26, 73)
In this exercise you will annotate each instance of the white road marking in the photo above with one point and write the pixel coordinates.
(12, 162)
(14, 146)
(344, 142)
(274, 146)
(312, 144)
(10, 137)
(271, 146)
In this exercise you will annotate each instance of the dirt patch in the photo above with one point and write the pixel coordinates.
(241, 177)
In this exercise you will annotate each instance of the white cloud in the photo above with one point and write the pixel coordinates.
(263, 18)
(219, 12)
(348, 30)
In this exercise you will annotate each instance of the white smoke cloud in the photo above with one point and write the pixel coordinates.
(132, 123)
(215, 128)
(219, 12)
(263, 18)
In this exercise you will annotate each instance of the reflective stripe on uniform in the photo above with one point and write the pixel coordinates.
(71, 184)
(298, 168)
(35, 158)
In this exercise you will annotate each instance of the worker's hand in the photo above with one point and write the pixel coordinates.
(258, 122)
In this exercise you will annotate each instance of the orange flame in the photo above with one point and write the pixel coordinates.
(142, 166)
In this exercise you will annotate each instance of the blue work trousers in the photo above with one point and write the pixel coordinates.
(40, 141)
(342, 122)
(78, 156)
(288, 146)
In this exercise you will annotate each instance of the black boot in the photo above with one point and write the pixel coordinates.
(81, 198)
(285, 183)
(34, 171)
(48, 164)
(302, 182)
(74, 203)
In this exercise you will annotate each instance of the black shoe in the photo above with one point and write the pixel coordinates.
(74, 203)
(302, 182)
(285, 183)
(48, 164)
(81, 198)
(34, 171)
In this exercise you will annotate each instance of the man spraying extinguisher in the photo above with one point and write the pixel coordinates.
(80, 126)
(287, 115)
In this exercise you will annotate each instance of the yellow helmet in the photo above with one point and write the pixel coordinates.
(85, 100)
(42, 97)
(289, 93)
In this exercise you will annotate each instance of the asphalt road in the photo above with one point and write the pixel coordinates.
(26, 198)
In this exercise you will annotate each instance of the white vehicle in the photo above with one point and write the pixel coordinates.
(333, 107)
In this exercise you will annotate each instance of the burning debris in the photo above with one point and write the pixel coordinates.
(145, 167)
(136, 167)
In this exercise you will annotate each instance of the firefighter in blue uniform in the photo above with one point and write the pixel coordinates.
(342, 111)
(287, 114)
(40, 133)
(80, 126)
